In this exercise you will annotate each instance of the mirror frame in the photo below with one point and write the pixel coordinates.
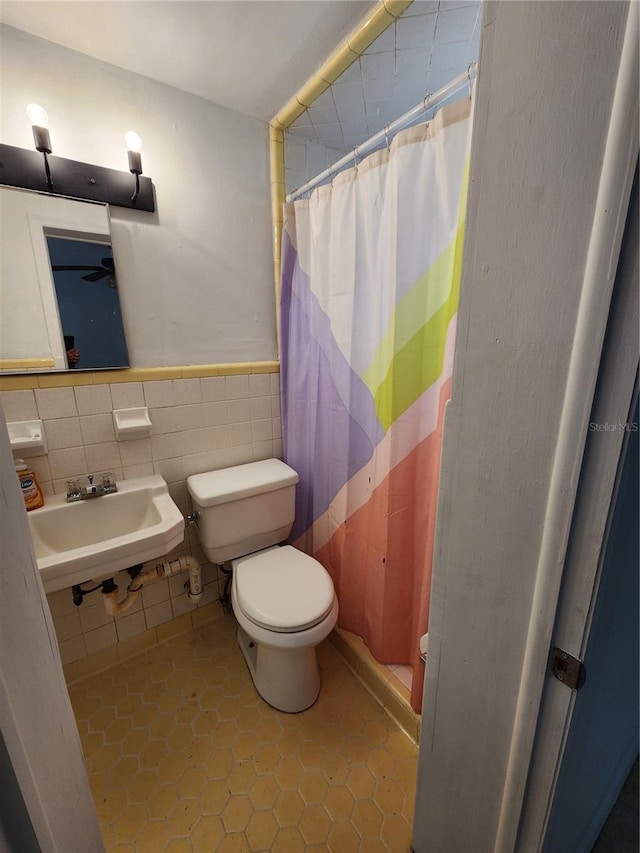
(58, 224)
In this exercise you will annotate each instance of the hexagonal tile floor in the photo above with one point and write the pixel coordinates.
(183, 755)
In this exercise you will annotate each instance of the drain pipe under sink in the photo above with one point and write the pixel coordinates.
(152, 572)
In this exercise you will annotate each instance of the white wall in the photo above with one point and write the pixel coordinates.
(547, 77)
(195, 277)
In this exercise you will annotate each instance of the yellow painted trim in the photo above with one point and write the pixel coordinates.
(197, 371)
(338, 63)
(350, 49)
(276, 159)
(278, 192)
(289, 113)
(18, 383)
(376, 24)
(61, 380)
(396, 7)
(311, 90)
(150, 374)
(234, 369)
(265, 367)
(134, 374)
(26, 363)
(379, 680)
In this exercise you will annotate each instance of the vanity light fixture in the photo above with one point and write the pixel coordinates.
(39, 119)
(134, 146)
(22, 167)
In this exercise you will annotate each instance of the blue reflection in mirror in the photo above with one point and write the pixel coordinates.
(88, 303)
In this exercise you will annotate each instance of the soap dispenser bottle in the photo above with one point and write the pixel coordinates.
(31, 491)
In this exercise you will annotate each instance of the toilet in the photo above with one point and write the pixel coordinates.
(283, 600)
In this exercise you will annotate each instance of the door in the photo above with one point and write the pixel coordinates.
(602, 740)
(587, 740)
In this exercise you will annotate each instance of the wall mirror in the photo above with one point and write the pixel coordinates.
(59, 302)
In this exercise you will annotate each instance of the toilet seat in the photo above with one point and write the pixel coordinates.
(282, 589)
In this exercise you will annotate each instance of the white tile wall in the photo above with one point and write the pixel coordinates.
(20, 406)
(92, 399)
(127, 395)
(428, 45)
(53, 402)
(96, 429)
(130, 626)
(63, 432)
(310, 158)
(197, 425)
(456, 24)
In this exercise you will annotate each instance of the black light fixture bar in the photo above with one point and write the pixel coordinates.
(22, 168)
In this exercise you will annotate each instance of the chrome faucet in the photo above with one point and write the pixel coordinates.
(78, 492)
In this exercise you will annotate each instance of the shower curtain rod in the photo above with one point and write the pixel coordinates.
(383, 135)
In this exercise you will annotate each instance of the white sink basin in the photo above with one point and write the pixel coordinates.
(93, 539)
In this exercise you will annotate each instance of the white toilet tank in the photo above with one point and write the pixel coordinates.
(243, 509)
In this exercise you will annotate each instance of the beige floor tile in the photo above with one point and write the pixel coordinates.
(313, 788)
(343, 838)
(315, 825)
(339, 803)
(236, 814)
(288, 808)
(261, 831)
(179, 845)
(182, 818)
(289, 840)
(208, 834)
(183, 755)
(367, 819)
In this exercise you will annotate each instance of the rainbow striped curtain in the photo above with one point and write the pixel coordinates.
(370, 278)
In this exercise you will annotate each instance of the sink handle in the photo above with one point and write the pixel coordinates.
(108, 483)
(74, 492)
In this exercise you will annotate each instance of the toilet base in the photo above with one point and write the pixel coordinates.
(287, 679)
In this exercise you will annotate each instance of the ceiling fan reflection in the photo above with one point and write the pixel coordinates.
(95, 273)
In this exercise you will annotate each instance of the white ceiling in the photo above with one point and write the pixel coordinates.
(249, 55)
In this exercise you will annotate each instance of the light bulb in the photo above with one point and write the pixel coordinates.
(134, 143)
(37, 115)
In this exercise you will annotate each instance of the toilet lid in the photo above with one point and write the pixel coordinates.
(282, 589)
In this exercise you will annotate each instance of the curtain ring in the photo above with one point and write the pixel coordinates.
(469, 78)
(355, 157)
(426, 108)
(386, 135)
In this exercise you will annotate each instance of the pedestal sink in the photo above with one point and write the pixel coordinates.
(93, 539)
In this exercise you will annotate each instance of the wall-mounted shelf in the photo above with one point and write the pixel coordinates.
(132, 423)
(27, 438)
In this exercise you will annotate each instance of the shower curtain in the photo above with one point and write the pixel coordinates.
(369, 292)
